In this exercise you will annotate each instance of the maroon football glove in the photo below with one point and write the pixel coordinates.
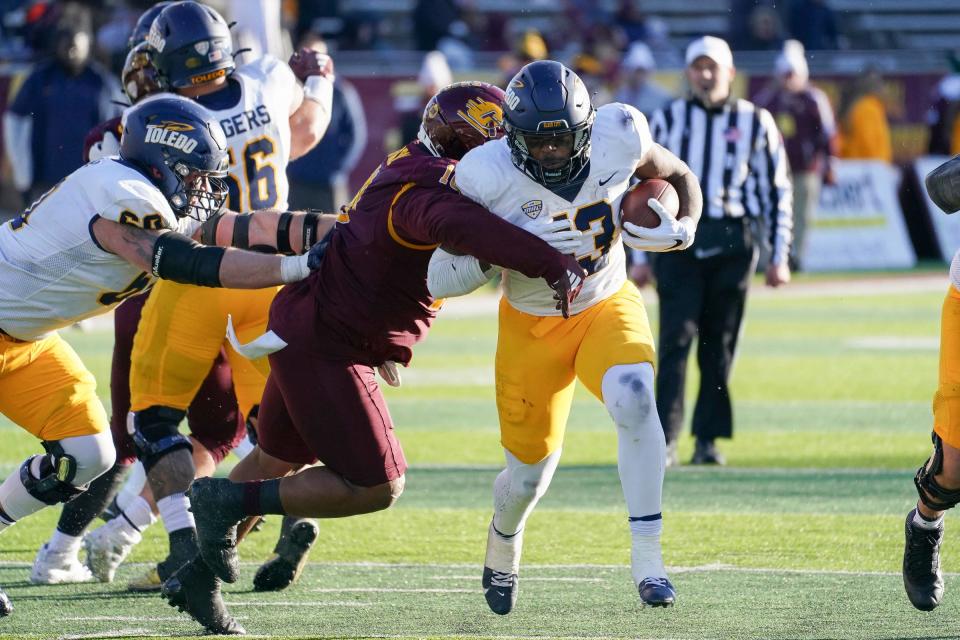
(308, 62)
(566, 287)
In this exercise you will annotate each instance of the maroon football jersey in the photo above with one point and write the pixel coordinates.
(369, 300)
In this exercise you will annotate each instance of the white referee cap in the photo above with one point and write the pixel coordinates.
(712, 47)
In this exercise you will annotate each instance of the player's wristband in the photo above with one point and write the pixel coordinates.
(319, 89)
(293, 268)
(310, 221)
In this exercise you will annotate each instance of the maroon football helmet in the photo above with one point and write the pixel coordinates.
(462, 116)
(139, 76)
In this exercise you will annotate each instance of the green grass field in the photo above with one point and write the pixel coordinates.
(799, 537)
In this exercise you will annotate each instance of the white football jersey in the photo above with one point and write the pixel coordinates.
(52, 271)
(487, 175)
(257, 126)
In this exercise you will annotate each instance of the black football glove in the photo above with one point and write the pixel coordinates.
(566, 286)
(318, 250)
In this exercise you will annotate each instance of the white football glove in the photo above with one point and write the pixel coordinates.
(108, 146)
(670, 235)
(556, 233)
(389, 372)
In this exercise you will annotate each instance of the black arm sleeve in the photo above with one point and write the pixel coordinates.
(180, 259)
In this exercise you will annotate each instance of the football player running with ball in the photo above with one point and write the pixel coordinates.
(100, 235)
(366, 309)
(938, 480)
(561, 172)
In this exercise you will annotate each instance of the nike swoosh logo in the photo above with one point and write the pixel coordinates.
(603, 182)
(703, 253)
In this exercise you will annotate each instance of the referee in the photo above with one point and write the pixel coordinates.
(737, 152)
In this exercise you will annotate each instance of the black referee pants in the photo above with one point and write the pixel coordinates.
(701, 298)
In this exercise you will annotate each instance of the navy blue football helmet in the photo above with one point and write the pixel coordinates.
(192, 44)
(182, 149)
(144, 22)
(547, 102)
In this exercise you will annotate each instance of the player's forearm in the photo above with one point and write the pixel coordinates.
(495, 241)
(943, 185)
(268, 231)
(661, 163)
(308, 124)
(247, 270)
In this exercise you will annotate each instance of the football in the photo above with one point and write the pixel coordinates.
(634, 207)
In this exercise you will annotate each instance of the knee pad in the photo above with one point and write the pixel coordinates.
(155, 433)
(628, 395)
(931, 493)
(49, 478)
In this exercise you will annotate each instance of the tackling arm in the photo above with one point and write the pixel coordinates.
(268, 231)
(943, 185)
(173, 256)
(451, 275)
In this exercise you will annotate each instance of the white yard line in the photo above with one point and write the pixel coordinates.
(473, 577)
(120, 633)
(390, 590)
(303, 603)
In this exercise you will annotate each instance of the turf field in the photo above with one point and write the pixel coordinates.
(799, 537)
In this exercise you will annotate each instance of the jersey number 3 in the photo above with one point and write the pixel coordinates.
(596, 221)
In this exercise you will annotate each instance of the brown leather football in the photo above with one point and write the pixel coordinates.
(634, 207)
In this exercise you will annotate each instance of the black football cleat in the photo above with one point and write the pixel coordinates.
(289, 556)
(921, 565)
(500, 589)
(706, 452)
(210, 502)
(656, 592)
(6, 607)
(195, 590)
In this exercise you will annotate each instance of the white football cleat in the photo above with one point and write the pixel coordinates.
(58, 567)
(107, 548)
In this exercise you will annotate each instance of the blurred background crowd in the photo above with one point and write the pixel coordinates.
(886, 76)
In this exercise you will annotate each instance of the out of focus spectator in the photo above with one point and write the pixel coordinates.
(60, 100)
(864, 128)
(434, 20)
(593, 74)
(529, 47)
(318, 180)
(942, 117)
(636, 88)
(813, 23)
(632, 21)
(434, 75)
(765, 30)
(805, 119)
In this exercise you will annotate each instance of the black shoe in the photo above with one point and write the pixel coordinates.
(195, 590)
(6, 607)
(656, 592)
(289, 557)
(921, 565)
(216, 525)
(500, 589)
(706, 452)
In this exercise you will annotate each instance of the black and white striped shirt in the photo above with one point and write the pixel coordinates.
(737, 152)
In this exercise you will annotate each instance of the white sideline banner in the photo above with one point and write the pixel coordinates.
(859, 223)
(946, 228)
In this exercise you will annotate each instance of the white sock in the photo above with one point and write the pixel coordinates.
(923, 523)
(16, 501)
(173, 511)
(646, 559)
(133, 486)
(63, 543)
(137, 516)
(503, 553)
